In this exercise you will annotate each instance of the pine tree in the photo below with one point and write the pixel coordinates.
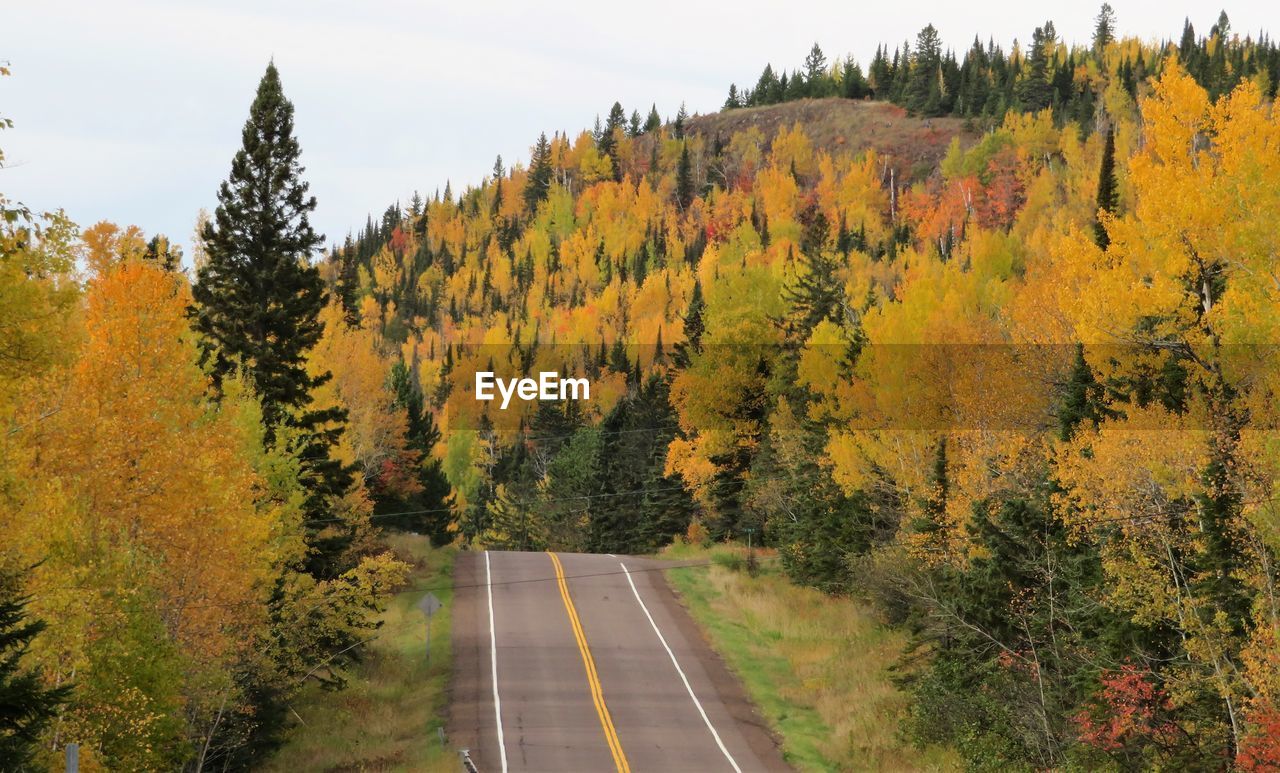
(430, 510)
(924, 94)
(1108, 195)
(681, 116)
(1104, 30)
(853, 84)
(1034, 91)
(654, 121)
(815, 72)
(684, 178)
(694, 327)
(258, 300)
(26, 705)
(538, 183)
(732, 101)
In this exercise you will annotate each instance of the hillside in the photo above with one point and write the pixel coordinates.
(849, 126)
(1015, 392)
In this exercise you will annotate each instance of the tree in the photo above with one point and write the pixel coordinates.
(925, 90)
(684, 178)
(258, 299)
(26, 704)
(653, 122)
(815, 72)
(1104, 29)
(1108, 195)
(733, 101)
(1034, 91)
(538, 184)
(681, 116)
(435, 499)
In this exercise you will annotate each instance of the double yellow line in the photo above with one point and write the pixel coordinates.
(597, 693)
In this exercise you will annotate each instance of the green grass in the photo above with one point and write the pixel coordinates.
(817, 667)
(388, 716)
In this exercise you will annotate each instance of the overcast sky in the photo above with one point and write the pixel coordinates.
(131, 110)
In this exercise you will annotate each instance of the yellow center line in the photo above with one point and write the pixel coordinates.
(593, 679)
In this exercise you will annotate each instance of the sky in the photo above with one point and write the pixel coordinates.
(130, 110)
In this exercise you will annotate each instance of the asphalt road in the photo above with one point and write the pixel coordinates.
(598, 668)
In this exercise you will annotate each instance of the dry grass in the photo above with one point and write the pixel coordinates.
(915, 146)
(387, 717)
(818, 667)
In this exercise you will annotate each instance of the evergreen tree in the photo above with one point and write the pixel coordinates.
(538, 183)
(1104, 29)
(815, 72)
(732, 101)
(26, 705)
(681, 116)
(258, 300)
(924, 95)
(1108, 194)
(1082, 398)
(814, 294)
(684, 178)
(694, 327)
(430, 511)
(607, 137)
(654, 121)
(1034, 91)
(853, 84)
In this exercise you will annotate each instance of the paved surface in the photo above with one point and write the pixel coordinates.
(598, 668)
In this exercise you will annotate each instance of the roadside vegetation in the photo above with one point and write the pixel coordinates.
(388, 718)
(818, 667)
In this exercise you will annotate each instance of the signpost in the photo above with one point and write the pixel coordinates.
(430, 604)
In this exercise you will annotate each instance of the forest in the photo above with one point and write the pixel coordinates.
(1022, 401)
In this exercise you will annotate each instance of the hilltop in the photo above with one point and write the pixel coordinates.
(840, 125)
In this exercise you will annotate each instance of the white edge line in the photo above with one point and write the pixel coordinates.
(493, 659)
(680, 671)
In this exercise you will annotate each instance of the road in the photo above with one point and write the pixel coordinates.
(597, 667)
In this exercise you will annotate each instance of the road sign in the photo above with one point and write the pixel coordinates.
(430, 604)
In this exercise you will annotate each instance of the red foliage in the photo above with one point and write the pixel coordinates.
(1004, 193)
(1131, 710)
(1260, 749)
(399, 241)
(398, 476)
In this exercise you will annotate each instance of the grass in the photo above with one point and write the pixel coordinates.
(817, 667)
(914, 145)
(388, 716)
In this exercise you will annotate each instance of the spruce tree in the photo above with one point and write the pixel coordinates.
(258, 300)
(26, 705)
(1108, 195)
(538, 183)
(684, 178)
(681, 116)
(430, 511)
(694, 327)
(1034, 91)
(1104, 31)
(924, 92)
(654, 121)
(815, 72)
